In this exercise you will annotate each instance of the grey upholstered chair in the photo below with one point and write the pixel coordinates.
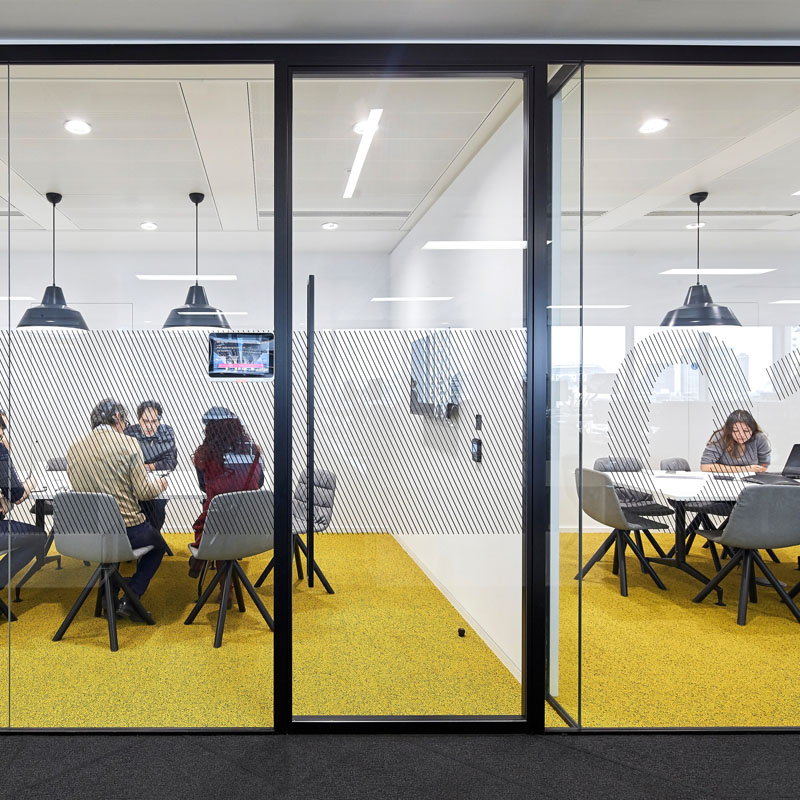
(88, 526)
(600, 502)
(764, 517)
(635, 501)
(238, 525)
(324, 493)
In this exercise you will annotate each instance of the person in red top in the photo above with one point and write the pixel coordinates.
(228, 460)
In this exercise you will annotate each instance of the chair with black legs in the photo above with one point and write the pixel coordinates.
(703, 511)
(324, 493)
(764, 517)
(238, 525)
(600, 502)
(635, 501)
(88, 526)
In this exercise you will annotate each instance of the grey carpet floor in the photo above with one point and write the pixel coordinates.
(350, 767)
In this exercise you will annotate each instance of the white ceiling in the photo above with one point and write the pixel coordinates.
(159, 134)
(735, 134)
(412, 20)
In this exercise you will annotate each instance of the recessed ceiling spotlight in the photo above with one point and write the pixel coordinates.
(330, 226)
(796, 194)
(149, 226)
(693, 226)
(78, 126)
(653, 125)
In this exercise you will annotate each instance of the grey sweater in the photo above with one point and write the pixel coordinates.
(756, 451)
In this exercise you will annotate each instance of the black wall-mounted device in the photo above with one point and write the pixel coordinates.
(477, 450)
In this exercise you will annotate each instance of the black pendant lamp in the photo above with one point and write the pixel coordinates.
(196, 312)
(698, 308)
(53, 312)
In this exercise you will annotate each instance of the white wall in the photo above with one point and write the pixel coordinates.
(483, 203)
(104, 286)
(480, 570)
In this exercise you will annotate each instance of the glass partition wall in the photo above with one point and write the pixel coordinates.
(408, 223)
(5, 305)
(666, 178)
(128, 187)
(409, 356)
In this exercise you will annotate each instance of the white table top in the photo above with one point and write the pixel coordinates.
(181, 485)
(683, 485)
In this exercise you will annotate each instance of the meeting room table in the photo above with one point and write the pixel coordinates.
(181, 485)
(681, 488)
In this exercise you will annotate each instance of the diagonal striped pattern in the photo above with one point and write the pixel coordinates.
(629, 412)
(784, 374)
(397, 472)
(56, 378)
(408, 474)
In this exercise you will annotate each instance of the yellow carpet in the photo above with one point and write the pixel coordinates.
(655, 659)
(385, 643)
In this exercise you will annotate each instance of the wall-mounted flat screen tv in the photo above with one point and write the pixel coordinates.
(434, 384)
(232, 355)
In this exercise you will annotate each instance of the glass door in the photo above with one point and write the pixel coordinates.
(408, 227)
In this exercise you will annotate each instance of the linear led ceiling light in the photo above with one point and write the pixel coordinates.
(184, 278)
(370, 128)
(53, 312)
(510, 244)
(408, 299)
(226, 313)
(592, 306)
(713, 271)
(205, 315)
(698, 308)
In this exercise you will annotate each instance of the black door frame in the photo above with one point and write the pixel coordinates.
(529, 61)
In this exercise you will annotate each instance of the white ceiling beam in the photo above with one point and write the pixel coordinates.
(219, 112)
(697, 178)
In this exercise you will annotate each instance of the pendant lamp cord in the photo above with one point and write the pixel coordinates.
(698, 244)
(197, 242)
(54, 244)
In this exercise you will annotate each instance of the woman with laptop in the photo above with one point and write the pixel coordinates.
(739, 446)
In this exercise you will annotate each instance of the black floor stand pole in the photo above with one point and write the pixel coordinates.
(308, 549)
(310, 428)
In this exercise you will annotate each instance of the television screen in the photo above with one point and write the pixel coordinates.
(241, 355)
(434, 384)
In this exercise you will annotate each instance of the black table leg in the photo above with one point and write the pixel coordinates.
(679, 561)
(42, 558)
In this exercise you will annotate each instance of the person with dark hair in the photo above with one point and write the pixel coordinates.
(26, 541)
(105, 460)
(3, 428)
(738, 446)
(157, 440)
(228, 460)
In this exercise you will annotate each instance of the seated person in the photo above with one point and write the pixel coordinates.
(26, 541)
(227, 461)
(157, 440)
(105, 460)
(739, 446)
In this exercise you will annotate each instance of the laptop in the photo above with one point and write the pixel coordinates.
(791, 470)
